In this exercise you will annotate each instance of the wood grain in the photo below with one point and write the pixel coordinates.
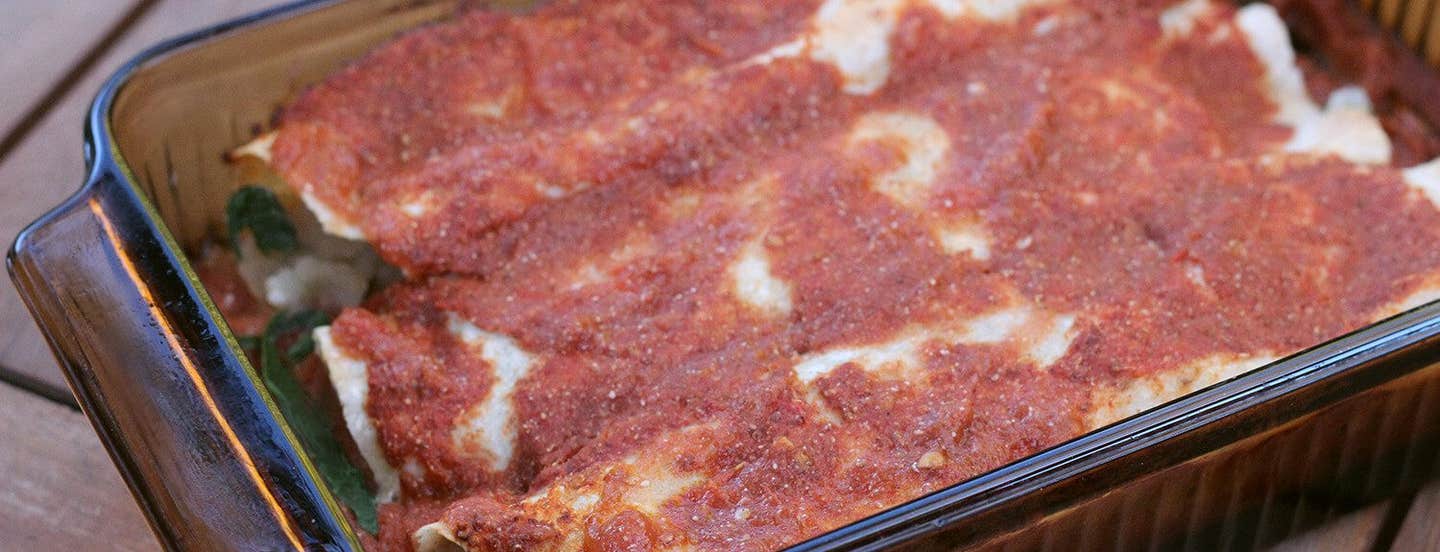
(1421, 531)
(43, 40)
(1354, 532)
(61, 492)
(49, 165)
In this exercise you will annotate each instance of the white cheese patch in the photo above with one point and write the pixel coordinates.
(1051, 340)
(1046, 26)
(259, 148)
(1179, 20)
(493, 108)
(436, 537)
(1196, 274)
(899, 355)
(989, 10)
(1270, 41)
(490, 424)
(327, 272)
(330, 221)
(1425, 177)
(827, 414)
(1143, 393)
(1426, 292)
(349, 376)
(652, 479)
(756, 285)
(413, 468)
(419, 205)
(1039, 336)
(489, 110)
(588, 275)
(254, 266)
(1042, 337)
(413, 209)
(967, 239)
(657, 486)
(1117, 92)
(646, 480)
(552, 190)
(996, 326)
(310, 282)
(584, 502)
(598, 271)
(854, 35)
(921, 142)
(1346, 128)
(793, 49)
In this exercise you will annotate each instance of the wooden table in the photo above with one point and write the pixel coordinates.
(60, 490)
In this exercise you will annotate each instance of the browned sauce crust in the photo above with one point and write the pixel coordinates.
(1131, 183)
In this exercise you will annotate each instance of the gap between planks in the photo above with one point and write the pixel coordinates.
(38, 110)
(61, 492)
(48, 164)
(45, 103)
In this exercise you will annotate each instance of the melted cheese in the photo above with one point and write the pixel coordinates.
(331, 221)
(1041, 337)
(1179, 20)
(897, 356)
(657, 485)
(490, 425)
(854, 35)
(1425, 177)
(969, 239)
(436, 537)
(350, 378)
(756, 285)
(1345, 128)
(1265, 32)
(258, 148)
(645, 482)
(922, 145)
(308, 281)
(1151, 390)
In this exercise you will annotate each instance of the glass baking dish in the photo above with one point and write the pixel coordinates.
(1240, 464)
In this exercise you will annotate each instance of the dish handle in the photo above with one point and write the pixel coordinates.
(200, 446)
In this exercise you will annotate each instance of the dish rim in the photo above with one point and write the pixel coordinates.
(1345, 365)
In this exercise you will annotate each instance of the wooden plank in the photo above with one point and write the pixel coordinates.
(61, 492)
(1355, 532)
(44, 39)
(1421, 530)
(49, 165)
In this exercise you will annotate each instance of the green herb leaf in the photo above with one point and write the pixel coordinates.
(257, 209)
(301, 322)
(345, 480)
(249, 342)
(301, 348)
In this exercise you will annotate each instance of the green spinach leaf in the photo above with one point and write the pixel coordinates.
(277, 369)
(257, 209)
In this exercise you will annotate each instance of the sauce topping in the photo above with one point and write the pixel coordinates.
(689, 274)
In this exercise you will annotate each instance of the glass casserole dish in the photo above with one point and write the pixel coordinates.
(156, 368)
